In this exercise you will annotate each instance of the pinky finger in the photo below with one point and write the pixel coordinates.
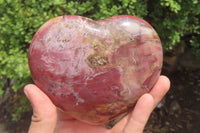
(139, 117)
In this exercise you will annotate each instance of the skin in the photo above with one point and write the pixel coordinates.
(47, 119)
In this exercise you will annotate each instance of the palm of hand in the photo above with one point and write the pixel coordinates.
(133, 122)
(70, 125)
(75, 126)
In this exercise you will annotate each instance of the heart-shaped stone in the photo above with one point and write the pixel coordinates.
(95, 70)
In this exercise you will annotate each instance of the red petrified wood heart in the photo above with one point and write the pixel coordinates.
(95, 70)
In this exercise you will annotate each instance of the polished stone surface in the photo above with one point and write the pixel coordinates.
(95, 70)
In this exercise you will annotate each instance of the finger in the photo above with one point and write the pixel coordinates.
(44, 112)
(157, 92)
(139, 117)
(160, 89)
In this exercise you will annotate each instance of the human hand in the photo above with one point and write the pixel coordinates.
(47, 119)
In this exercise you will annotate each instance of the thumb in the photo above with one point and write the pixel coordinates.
(44, 112)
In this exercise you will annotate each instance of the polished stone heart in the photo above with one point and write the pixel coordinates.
(95, 70)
